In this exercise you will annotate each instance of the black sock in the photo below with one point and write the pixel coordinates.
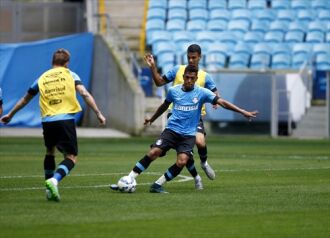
(49, 166)
(202, 154)
(142, 165)
(172, 172)
(191, 167)
(63, 169)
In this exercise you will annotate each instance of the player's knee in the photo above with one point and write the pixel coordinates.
(154, 153)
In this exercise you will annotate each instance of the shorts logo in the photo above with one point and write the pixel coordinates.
(195, 100)
(159, 142)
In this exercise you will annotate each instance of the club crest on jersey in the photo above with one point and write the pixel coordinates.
(159, 142)
(195, 100)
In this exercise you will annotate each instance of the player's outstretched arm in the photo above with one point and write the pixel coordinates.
(19, 105)
(229, 106)
(160, 110)
(88, 98)
(157, 78)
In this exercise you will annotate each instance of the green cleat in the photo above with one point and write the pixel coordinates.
(156, 188)
(54, 194)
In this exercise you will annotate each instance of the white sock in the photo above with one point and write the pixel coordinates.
(54, 181)
(133, 174)
(204, 163)
(198, 177)
(161, 180)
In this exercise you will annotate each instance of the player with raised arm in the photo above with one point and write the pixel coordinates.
(180, 131)
(174, 76)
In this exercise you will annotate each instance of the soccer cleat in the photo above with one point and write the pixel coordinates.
(208, 170)
(114, 187)
(156, 188)
(198, 183)
(50, 185)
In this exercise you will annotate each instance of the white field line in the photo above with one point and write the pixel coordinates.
(181, 179)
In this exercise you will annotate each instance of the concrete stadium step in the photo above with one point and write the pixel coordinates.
(313, 124)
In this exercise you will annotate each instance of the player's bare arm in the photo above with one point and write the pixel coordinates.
(229, 106)
(160, 110)
(157, 78)
(19, 105)
(88, 98)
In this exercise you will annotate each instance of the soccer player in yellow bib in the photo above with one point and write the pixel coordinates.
(175, 76)
(58, 105)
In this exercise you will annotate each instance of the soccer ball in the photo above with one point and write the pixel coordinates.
(127, 184)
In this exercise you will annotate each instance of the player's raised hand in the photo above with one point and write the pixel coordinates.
(5, 119)
(250, 115)
(149, 59)
(147, 121)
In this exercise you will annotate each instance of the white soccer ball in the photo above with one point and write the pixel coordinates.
(127, 184)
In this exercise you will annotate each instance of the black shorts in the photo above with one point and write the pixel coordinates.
(171, 140)
(200, 126)
(61, 134)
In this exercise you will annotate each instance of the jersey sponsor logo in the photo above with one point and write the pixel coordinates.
(55, 101)
(186, 108)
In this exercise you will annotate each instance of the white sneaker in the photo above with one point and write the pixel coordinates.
(198, 183)
(208, 170)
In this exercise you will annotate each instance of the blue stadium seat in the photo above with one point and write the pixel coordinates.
(166, 58)
(262, 48)
(200, 4)
(300, 4)
(175, 25)
(241, 14)
(154, 25)
(303, 49)
(243, 48)
(324, 15)
(239, 61)
(222, 14)
(323, 62)
(316, 26)
(158, 36)
(257, 4)
(177, 4)
(281, 61)
(306, 16)
(320, 4)
(274, 37)
(205, 37)
(239, 27)
(157, 4)
(219, 48)
(236, 4)
(297, 26)
(281, 48)
(156, 13)
(321, 48)
(327, 37)
(252, 38)
(198, 14)
(294, 37)
(216, 25)
(196, 25)
(279, 26)
(315, 37)
(267, 15)
(215, 59)
(215, 4)
(177, 13)
(259, 26)
(260, 61)
(287, 15)
(163, 47)
(181, 38)
(281, 4)
(299, 60)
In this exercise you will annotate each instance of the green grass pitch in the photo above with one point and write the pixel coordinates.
(263, 188)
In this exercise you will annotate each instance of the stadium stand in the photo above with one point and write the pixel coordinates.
(279, 26)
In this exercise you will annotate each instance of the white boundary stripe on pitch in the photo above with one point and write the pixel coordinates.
(181, 179)
(156, 173)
